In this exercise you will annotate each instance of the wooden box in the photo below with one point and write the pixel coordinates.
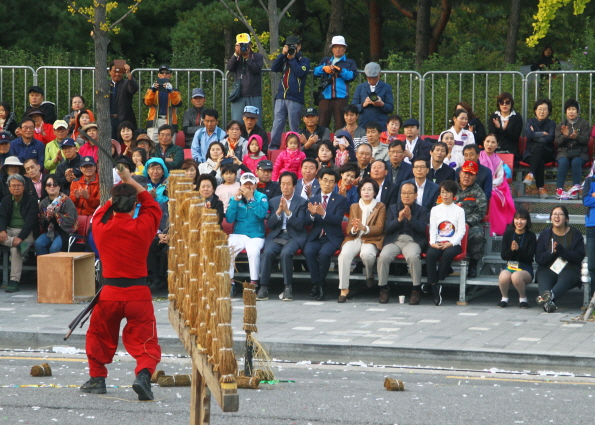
(65, 277)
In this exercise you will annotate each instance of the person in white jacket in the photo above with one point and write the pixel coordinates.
(462, 137)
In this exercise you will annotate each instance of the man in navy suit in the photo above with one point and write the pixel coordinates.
(388, 193)
(308, 185)
(326, 211)
(415, 146)
(287, 234)
(363, 153)
(427, 191)
(439, 171)
(398, 170)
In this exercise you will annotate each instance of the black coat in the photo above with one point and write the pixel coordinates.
(508, 139)
(416, 227)
(271, 189)
(29, 208)
(125, 90)
(49, 112)
(405, 172)
(573, 253)
(443, 173)
(295, 223)
(75, 164)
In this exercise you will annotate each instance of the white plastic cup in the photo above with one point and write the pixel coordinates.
(401, 299)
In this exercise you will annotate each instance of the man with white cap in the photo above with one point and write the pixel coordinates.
(247, 211)
(374, 98)
(193, 118)
(247, 69)
(52, 149)
(336, 72)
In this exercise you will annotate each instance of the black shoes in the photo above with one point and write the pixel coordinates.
(502, 304)
(543, 298)
(314, 291)
(549, 307)
(437, 293)
(384, 295)
(318, 292)
(263, 294)
(524, 304)
(287, 295)
(94, 386)
(472, 272)
(414, 298)
(142, 385)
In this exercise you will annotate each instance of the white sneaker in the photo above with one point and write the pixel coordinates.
(561, 194)
(529, 179)
(574, 192)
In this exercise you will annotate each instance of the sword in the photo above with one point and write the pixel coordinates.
(119, 167)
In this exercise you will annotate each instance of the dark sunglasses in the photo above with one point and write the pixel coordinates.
(504, 102)
(52, 185)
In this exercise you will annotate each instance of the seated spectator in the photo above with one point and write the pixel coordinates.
(291, 158)
(325, 155)
(501, 204)
(77, 104)
(507, 125)
(206, 135)
(139, 158)
(192, 120)
(287, 234)
(126, 132)
(229, 187)
(191, 170)
(453, 159)
(247, 211)
(206, 187)
(250, 116)
(414, 145)
(265, 185)
(33, 170)
(69, 169)
(379, 150)
(145, 142)
(472, 199)
(572, 141)
(484, 177)
(89, 148)
(427, 191)
(387, 192)
(518, 249)
(346, 186)
(84, 192)
(12, 166)
(18, 226)
(156, 174)
(439, 171)
(365, 233)
(52, 150)
(308, 185)
(172, 154)
(4, 147)
(474, 124)
(26, 146)
(8, 123)
(463, 137)
(447, 229)
(559, 254)
(374, 98)
(312, 133)
(358, 134)
(364, 157)
(57, 219)
(398, 170)
(212, 165)
(44, 132)
(344, 150)
(326, 211)
(163, 101)
(82, 119)
(234, 140)
(405, 233)
(255, 153)
(540, 145)
(393, 125)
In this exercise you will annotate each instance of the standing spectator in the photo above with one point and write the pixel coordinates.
(415, 146)
(172, 154)
(474, 125)
(289, 101)
(507, 125)
(8, 123)
(393, 125)
(57, 219)
(463, 137)
(540, 133)
(308, 185)
(247, 69)
(84, 192)
(37, 101)
(291, 158)
(206, 135)
(89, 148)
(157, 258)
(255, 154)
(77, 104)
(44, 132)
(52, 149)
(264, 172)
(193, 117)
(287, 234)
(312, 133)
(427, 191)
(121, 93)
(4, 146)
(33, 172)
(439, 171)
(70, 168)
(336, 72)
(572, 141)
(484, 177)
(546, 61)
(18, 226)
(398, 169)
(26, 146)
(374, 98)
(163, 101)
(358, 134)
(250, 117)
(379, 150)
(363, 154)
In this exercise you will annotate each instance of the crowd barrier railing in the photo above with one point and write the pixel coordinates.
(14, 83)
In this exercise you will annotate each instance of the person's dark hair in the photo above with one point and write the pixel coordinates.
(155, 164)
(494, 136)
(54, 178)
(450, 186)
(466, 107)
(215, 143)
(211, 113)
(143, 154)
(209, 177)
(397, 143)
(35, 161)
(78, 95)
(522, 213)
(293, 135)
(7, 109)
(329, 171)
(293, 176)
(471, 146)
(564, 210)
(459, 112)
(421, 159)
(24, 120)
(312, 160)
(544, 49)
(349, 166)
(85, 111)
(123, 197)
(413, 185)
(190, 163)
(568, 104)
(228, 168)
(328, 145)
(122, 126)
(365, 180)
(110, 65)
(351, 108)
(502, 97)
(379, 160)
(365, 144)
(436, 144)
(548, 103)
(231, 123)
(396, 117)
(374, 125)
(166, 127)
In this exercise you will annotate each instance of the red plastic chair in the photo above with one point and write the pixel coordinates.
(181, 139)
(79, 239)
(187, 153)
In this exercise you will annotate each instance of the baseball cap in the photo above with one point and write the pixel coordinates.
(251, 112)
(35, 111)
(67, 143)
(198, 92)
(87, 160)
(372, 70)
(60, 123)
(4, 137)
(292, 39)
(338, 40)
(265, 165)
(243, 38)
(248, 177)
(36, 89)
(470, 167)
(164, 67)
(411, 121)
(310, 111)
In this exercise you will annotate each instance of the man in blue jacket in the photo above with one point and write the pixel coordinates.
(374, 98)
(289, 101)
(337, 72)
(26, 146)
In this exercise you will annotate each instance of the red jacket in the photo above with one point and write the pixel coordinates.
(49, 134)
(85, 206)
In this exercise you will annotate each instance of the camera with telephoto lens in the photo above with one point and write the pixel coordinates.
(244, 47)
(291, 49)
(373, 97)
(325, 80)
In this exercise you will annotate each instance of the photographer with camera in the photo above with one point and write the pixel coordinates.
(163, 102)
(247, 69)
(121, 92)
(289, 101)
(335, 72)
(374, 99)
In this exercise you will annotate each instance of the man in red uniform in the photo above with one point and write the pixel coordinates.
(123, 244)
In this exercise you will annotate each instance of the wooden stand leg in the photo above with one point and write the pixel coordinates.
(200, 400)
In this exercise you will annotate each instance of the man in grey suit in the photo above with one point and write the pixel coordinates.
(287, 235)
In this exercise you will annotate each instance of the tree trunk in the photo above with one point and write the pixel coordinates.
(273, 47)
(422, 32)
(375, 31)
(440, 26)
(513, 31)
(335, 26)
(229, 39)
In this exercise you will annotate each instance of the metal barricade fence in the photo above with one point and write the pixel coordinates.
(60, 83)
(14, 83)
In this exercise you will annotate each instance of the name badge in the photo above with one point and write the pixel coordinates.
(558, 265)
(513, 266)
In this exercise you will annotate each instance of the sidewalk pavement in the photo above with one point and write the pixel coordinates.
(361, 329)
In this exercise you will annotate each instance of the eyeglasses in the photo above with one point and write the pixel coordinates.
(52, 185)
(27, 127)
(419, 167)
(17, 186)
(504, 102)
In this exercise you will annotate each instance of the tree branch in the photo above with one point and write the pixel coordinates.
(407, 13)
(284, 11)
(240, 18)
(121, 19)
(263, 6)
(440, 25)
(79, 11)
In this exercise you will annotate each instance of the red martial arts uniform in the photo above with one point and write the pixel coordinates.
(123, 244)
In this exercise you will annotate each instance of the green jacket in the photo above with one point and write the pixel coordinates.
(51, 151)
(173, 151)
(474, 202)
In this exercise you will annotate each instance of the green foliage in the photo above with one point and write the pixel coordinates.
(547, 13)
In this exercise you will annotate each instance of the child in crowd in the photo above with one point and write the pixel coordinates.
(291, 158)
(453, 159)
(393, 125)
(89, 148)
(229, 188)
(139, 157)
(501, 207)
(255, 153)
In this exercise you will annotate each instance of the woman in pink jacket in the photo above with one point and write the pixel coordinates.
(291, 158)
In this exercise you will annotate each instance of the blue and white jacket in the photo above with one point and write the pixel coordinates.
(339, 88)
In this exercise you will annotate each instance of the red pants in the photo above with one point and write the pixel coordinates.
(139, 335)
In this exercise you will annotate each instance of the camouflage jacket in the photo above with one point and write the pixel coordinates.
(473, 200)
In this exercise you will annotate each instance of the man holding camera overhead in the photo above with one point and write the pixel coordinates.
(247, 69)
(163, 102)
(374, 99)
(335, 73)
(289, 102)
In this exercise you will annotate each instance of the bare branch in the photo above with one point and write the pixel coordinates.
(79, 10)
(284, 11)
(400, 8)
(239, 17)
(121, 19)
(263, 6)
